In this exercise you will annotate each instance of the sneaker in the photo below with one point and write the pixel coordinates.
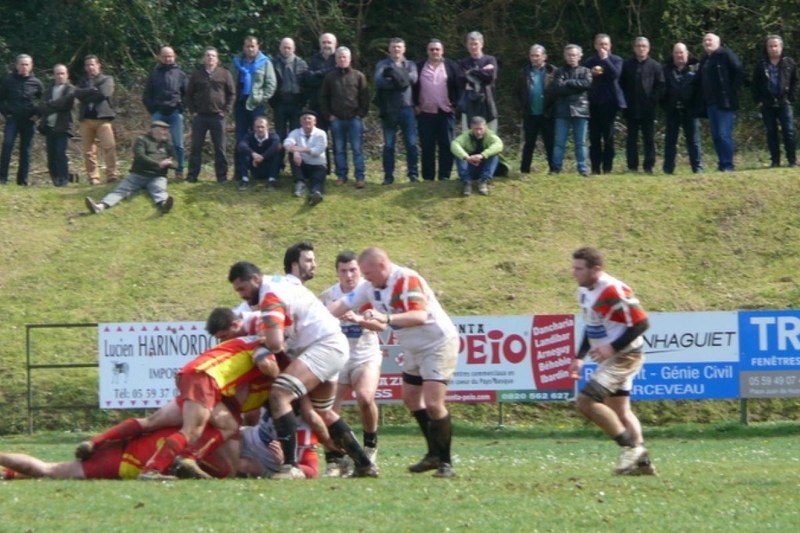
(94, 181)
(483, 188)
(84, 450)
(646, 469)
(333, 469)
(154, 475)
(629, 459)
(429, 462)
(387, 181)
(365, 471)
(179, 175)
(444, 470)
(271, 184)
(166, 205)
(468, 189)
(314, 198)
(361, 184)
(584, 173)
(299, 189)
(186, 468)
(93, 206)
(244, 185)
(289, 472)
(347, 465)
(340, 182)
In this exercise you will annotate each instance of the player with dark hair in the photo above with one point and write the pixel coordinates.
(299, 261)
(615, 322)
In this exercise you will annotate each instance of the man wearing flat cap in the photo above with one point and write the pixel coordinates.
(153, 156)
(306, 148)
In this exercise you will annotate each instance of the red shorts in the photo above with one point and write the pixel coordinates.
(198, 387)
(105, 461)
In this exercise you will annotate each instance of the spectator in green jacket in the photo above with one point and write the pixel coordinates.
(477, 153)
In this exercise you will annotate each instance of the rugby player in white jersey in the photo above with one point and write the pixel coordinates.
(402, 300)
(362, 372)
(295, 323)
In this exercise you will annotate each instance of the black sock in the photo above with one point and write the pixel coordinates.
(441, 435)
(371, 439)
(423, 420)
(286, 430)
(343, 437)
(624, 439)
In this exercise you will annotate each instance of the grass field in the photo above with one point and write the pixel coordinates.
(719, 477)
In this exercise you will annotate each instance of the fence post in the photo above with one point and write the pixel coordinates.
(743, 411)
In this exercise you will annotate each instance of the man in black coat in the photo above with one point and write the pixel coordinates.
(642, 83)
(20, 92)
(681, 102)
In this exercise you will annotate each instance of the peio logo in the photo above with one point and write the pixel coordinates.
(493, 347)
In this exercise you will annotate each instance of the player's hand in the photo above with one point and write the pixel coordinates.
(575, 368)
(602, 352)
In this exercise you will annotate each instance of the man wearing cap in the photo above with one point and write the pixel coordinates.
(306, 148)
(152, 158)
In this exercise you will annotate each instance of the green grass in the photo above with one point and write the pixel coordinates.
(721, 477)
(685, 243)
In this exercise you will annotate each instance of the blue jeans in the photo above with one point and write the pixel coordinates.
(579, 126)
(175, 121)
(348, 130)
(25, 130)
(436, 132)
(783, 115)
(408, 124)
(721, 123)
(676, 120)
(244, 124)
(482, 172)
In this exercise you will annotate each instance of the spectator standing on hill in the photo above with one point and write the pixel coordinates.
(533, 94)
(479, 76)
(306, 147)
(263, 150)
(642, 84)
(435, 97)
(571, 85)
(402, 300)
(289, 98)
(164, 96)
(152, 158)
(394, 78)
(605, 100)
(20, 92)
(721, 77)
(344, 99)
(56, 124)
(320, 64)
(774, 89)
(94, 92)
(615, 322)
(254, 76)
(681, 103)
(477, 154)
(210, 94)
(362, 372)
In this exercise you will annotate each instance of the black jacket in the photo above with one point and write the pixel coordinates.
(61, 106)
(642, 84)
(95, 94)
(721, 77)
(165, 90)
(787, 83)
(571, 87)
(19, 96)
(522, 89)
(682, 88)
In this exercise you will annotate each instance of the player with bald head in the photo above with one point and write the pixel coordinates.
(402, 300)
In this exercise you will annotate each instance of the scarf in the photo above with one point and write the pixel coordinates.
(247, 69)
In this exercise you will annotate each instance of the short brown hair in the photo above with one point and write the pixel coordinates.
(592, 256)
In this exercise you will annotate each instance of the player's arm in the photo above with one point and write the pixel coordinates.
(577, 364)
(266, 362)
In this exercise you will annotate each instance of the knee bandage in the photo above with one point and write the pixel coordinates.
(291, 384)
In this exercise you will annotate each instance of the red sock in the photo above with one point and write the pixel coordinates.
(209, 440)
(217, 466)
(7, 473)
(162, 459)
(126, 429)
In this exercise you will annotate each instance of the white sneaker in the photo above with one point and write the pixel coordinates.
(289, 472)
(629, 459)
(93, 206)
(333, 469)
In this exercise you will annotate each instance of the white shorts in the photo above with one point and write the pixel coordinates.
(326, 357)
(616, 373)
(353, 369)
(435, 365)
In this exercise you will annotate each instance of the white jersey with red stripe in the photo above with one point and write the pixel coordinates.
(364, 343)
(285, 304)
(609, 308)
(406, 290)
(249, 318)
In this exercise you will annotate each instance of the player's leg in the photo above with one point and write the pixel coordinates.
(23, 465)
(365, 384)
(334, 464)
(222, 424)
(413, 400)
(620, 402)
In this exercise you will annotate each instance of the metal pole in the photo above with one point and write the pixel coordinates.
(28, 370)
(500, 414)
(743, 411)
